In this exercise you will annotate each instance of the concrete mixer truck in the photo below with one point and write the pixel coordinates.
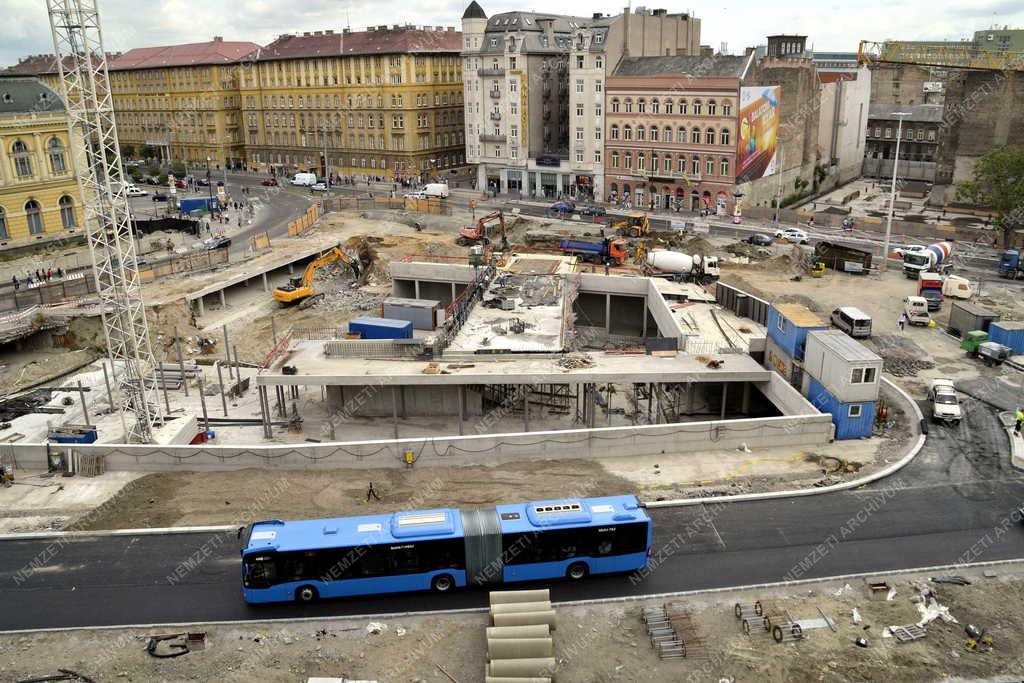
(684, 267)
(934, 258)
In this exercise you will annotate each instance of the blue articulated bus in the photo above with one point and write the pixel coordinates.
(442, 549)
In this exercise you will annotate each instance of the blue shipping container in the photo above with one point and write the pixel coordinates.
(381, 328)
(788, 325)
(852, 420)
(191, 204)
(1008, 333)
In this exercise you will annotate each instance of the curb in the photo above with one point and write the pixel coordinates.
(797, 493)
(566, 603)
(1016, 442)
(156, 531)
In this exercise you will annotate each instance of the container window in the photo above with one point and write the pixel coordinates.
(869, 375)
(853, 411)
(781, 322)
(857, 377)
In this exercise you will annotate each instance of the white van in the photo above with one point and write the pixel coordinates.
(304, 179)
(916, 310)
(438, 190)
(134, 191)
(852, 321)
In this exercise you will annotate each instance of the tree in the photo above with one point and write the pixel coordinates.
(128, 151)
(998, 184)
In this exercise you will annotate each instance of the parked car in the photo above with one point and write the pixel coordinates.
(151, 180)
(133, 191)
(792, 235)
(564, 206)
(160, 197)
(203, 182)
(269, 182)
(180, 184)
(910, 249)
(759, 240)
(318, 187)
(415, 195)
(218, 242)
(591, 211)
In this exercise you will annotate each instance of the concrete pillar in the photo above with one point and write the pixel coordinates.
(394, 409)
(608, 313)
(643, 332)
(291, 269)
(526, 407)
(416, 285)
(223, 299)
(657, 411)
(335, 399)
(725, 396)
(691, 397)
(539, 187)
(265, 412)
(462, 406)
(202, 309)
(401, 398)
(454, 292)
(266, 285)
(745, 407)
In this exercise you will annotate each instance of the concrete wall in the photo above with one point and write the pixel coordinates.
(689, 439)
(418, 401)
(842, 125)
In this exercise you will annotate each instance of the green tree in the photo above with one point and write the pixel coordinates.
(128, 151)
(178, 169)
(998, 184)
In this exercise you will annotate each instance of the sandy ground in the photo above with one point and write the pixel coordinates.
(593, 643)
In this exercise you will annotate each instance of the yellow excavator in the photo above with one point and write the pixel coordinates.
(635, 225)
(300, 289)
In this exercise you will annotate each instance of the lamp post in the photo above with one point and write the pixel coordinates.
(892, 191)
(209, 183)
(780, 167)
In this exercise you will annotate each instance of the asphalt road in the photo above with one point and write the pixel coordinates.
(96, 581)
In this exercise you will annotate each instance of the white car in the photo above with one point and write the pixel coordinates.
(910, 249)
(416, 195)
(318, 187)
(945, 405)
(792, 235)
(133, 191)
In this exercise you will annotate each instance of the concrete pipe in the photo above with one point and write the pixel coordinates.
(503, 597)
(532, 631)
(526, 618)
(515, 679)
(522, 668)
(520, 648)
(509, 607)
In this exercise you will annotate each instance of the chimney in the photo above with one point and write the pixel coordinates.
(625, 31)
(346, 31)
(597, 15)
(449, 29)
(659, 12)
(305, 33)
(329, 32)
(218, 39)
(318, 33)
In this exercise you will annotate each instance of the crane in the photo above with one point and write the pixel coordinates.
(478, 234)
(300, 289)
(96, 156)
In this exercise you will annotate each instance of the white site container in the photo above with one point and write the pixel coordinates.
(844, 366)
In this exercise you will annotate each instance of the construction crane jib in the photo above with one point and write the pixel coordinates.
(85, 86)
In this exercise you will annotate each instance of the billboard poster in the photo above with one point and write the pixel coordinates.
(759, 130)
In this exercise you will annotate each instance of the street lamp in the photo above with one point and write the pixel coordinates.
(779, 168)
(209, 183)
(892, 191)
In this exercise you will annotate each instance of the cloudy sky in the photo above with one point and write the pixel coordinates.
(829, 24)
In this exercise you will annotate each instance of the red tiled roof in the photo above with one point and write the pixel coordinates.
(383, 41)
(36, 65)
(212, 52)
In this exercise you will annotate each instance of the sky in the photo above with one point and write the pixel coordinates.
(830, 25)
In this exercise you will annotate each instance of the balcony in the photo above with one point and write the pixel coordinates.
(495, 116)
(491, 71)
(491, 138)
(495, 94)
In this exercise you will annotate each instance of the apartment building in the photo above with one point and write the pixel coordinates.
(534, 89)
(385, 101)
(39, 197)
(671, 129)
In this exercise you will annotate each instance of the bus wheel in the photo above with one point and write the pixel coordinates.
(576, 571)
(442, 583)
(307, 594)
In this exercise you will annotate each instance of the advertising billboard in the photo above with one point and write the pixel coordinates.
(759, 130)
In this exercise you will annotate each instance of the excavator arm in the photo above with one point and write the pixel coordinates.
(298, 289)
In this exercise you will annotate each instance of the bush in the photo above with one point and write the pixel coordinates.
(178, 170)
(136, 175)
(153, 169)
(162, 179)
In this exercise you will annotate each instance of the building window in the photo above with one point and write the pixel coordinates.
(627, 132)
(56, 151)
(513, 153)
(615, 105)
(67, 212)
(579, 156)
(682, 107)
(854, 411)
(629, 160)
(579, 109)
(654, 134)
(878, 132)
(695, 166)
(712, 107)
(709, 166)
(597, 85)
(579, 134)
(931, 136)
(599, 61)
(726, 109)
(666, 134)
(888, 132)
(579, 62)
(4, 234)
(666, 163)
(614, 132)
(668, 106)
(920, 134)
(641, 106)
(641, 133)
(641, 162)
(629, 105)
(597, 156)
(695, 136)
(22, 162)
(725, 137)
(615, 159)
(597, 110)
(579, 86)
(709, 136)
(34, 216)
(724, 167)
(655, 106)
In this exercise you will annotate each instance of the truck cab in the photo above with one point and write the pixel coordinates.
(1010, 264)
(945, 404)
(916, 310)
(929, 286)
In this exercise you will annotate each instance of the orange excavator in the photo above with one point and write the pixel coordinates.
(481, 233)
(300, 289)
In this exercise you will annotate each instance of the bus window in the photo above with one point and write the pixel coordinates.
(261, 571)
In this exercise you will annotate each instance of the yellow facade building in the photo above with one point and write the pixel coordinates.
(39, 195)
(381, 102)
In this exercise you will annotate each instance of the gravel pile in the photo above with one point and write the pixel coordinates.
(905, 367)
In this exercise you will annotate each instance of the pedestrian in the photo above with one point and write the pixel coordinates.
(1020, 419)
(902, 321)
(39, 276)
(14, 280)
(371, 492)
(28, 281)
(60, 273)
(49, 274)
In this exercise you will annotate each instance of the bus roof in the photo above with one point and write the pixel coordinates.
(439, 523)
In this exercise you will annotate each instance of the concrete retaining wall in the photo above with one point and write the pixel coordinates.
(685, 438)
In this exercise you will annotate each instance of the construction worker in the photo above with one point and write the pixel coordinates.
(410, 459)
(1020, 419)
(371, 492)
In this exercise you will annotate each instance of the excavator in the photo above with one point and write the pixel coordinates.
(478, 234)
(635, 225)
(300, 289)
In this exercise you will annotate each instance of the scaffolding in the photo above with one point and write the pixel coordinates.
(942, 55)
(85, 86)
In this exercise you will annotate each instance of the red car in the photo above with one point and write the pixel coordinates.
(270, 182)
(180, 184)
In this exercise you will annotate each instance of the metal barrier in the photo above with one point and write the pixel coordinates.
(368, 348)
(741, 303)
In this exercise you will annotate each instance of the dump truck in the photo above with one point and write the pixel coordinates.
(977, 345)
(1011, 265)
(842, 258)
(929, 286)
(931, 259)
(945, 404)
(300, 289)
(608, 251)
(697, 268)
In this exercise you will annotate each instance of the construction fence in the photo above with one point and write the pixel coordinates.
(306, 220)
(432, 205)
(53, 292)
(181, 263)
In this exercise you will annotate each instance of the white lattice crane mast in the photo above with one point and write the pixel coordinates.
(78, 46)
